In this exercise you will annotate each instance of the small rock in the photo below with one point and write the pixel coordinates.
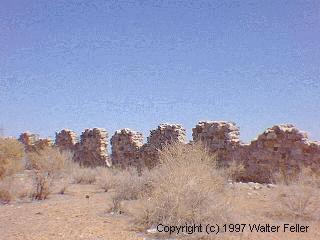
(257, 187)
(152, 230)
(271, 185)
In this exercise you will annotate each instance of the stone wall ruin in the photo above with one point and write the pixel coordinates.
(219, 137)
(66, 140)
(281, 147)
(32, 142)
(165, 134)
(125, 147)
(92, 148)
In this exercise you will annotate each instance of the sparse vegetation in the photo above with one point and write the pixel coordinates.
(6, 191)
(63, 187)
(47, 164)
(42, 185)
(182, 189)
(49, 159)
(128, 185)
(11, 154)
(106, 178)
(187, 186)
(11, 189)
(234, 171)
(83, 175)
(297, 198)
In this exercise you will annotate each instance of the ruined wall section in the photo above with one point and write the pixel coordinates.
(32, 142)
(126, 145)
(66, 140)
(281, 148)
(220, 137)
(92, 148)
(165, 134)
(43, 143)
(28, 140)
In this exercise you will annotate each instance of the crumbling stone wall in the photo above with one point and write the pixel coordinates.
(92, 148)
(220, 137)
(281, 148)
(32, 142)
(125, 147)
(29, 140)
(165, 134)
(66, 140)
(43, 143)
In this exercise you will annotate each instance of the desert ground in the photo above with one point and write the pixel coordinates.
(73, 215)
(50, 197)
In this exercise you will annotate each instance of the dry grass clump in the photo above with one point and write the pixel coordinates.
(106, 178)
(6, 195)
(42, 185)
(11, 154)
(234, 171)
(12, 189)
(128, 185)
(299, 197)
(49, 159)
(83, 175)
(47, 164)
(186, 187)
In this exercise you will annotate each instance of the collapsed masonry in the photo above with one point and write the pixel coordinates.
(125, 147)
(66, 140)
(165, 134)
(128, 148)
(221, 138)
(281, 147)
(92, 149)
(32, 142)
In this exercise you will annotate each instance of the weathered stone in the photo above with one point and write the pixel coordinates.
(125, 147)
(29, 140)
(66, 140)
(281, 148)
(165, 134)
(92, 148)
(43, 143)
(32, 142)
(220, 137)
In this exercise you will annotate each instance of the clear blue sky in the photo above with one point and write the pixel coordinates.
(113, 64)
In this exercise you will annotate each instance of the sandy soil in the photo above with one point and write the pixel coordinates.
(73, 216)
(68, 216)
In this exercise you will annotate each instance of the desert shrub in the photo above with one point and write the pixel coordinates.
(128, 185)
(234, 171)
(186, 187)
(11, 189)
(106, 178)
(63, 187)
(47, 164)
(83, 175)
(11, 154)
(298, 198)
(50, 160)
(6, 191)
(42, 185)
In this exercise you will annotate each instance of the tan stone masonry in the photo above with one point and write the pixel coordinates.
(281, 147)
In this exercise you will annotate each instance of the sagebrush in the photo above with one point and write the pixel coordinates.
(11, 156)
